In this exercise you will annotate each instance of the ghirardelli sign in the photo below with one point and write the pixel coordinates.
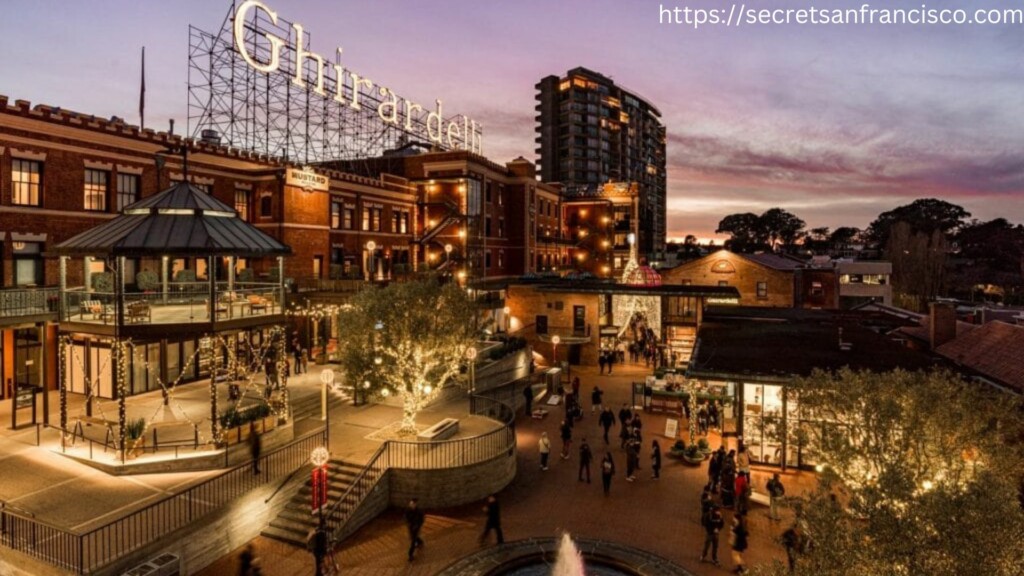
(267, 53)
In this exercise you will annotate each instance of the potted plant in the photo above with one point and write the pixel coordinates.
(134, 442)
(692, 455)
(704, 447)
(147, 281)
(677, 449)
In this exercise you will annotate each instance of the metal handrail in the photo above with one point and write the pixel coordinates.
(496, 442)
(88, 551)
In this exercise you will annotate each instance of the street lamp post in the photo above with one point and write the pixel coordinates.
(554, 349)
(448, 258)
(471, 353)
(507, 311)
(326, 379)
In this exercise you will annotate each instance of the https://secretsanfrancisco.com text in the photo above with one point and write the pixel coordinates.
(738, 14)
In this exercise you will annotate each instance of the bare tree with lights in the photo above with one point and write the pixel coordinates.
(409, 338)
(919, 474)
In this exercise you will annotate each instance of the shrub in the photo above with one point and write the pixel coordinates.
(234, 417)
(185, 276)
(702, 443)
(103, 282)
(133, 429)
(246, 275)
(147, 280)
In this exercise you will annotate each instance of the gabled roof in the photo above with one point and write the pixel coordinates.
(922, 331)
(776, 261)
(180, 221)
(993, 350)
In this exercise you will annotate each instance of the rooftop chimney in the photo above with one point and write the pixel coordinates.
(942, 326)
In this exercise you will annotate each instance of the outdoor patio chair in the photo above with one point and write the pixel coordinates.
(93, 307)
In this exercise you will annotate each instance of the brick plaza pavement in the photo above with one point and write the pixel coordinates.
(660, 516)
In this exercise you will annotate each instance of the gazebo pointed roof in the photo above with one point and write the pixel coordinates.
(180, 221)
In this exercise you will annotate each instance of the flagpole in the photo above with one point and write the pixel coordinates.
(142, 93)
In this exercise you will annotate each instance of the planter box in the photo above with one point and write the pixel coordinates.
(693, 461)
(134, 448)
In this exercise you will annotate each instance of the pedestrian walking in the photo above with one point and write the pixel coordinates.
(775, 493)
(793, 540)
(607, 471)
(655, 459)
(738, 540)
(601, 361)
(528, 397)
(632, 460)
(624, 415)
(245, 560)
(607, 420)
(493, 520)
(625, 434)
(702, 420)
(713, 524)
(715, 468)
(255, 447)
(611, 362)
(576, 387)
(585, 457)
(595, 400)
(414, 519)
(544, 445)
(566, 431)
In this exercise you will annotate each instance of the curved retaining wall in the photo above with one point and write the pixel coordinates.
(452, 486)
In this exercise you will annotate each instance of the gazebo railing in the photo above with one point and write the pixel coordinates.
(28, 301)
(181, 302)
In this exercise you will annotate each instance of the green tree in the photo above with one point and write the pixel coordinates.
(924, 215)
(920, 472)
(744, 229)
(918, 264)
(409, 338)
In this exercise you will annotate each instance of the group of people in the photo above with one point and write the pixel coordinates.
(631, 440)
(415, 518)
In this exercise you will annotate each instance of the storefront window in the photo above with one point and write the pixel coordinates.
(763, 424)
(28, 357)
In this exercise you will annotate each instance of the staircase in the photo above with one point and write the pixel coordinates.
(293, 524)
(309, 406)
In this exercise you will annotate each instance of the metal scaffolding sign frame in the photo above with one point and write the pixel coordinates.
(259, 86)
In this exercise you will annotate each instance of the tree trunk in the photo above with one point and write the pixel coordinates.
(409, 410)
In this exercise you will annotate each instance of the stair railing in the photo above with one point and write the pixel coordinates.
(361, 486)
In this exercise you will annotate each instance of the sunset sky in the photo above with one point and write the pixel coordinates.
(834, 123)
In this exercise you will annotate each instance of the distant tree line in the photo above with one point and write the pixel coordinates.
(935, 247)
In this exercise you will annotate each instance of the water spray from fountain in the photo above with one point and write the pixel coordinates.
(569, 561)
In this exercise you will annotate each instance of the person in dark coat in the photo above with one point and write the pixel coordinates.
(729, 480)
(607, 471)
(596, 397)
(607, 420)
(566, 432)
(585, 457)
(414, 522)
(625, 434)
(715, 468)
(601, 361)
(713, 524)
(738, 540)
(624, 415)
(245, 560)
(493, 520)
(656, 459)
(632, 460)
(528, 397)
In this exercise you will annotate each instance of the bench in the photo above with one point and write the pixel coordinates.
(444, 429)
(139, 311)
(257, 304)
(760, 498)
(94, 307)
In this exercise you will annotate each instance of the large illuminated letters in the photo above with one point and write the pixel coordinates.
(352, 89)
(275, 42)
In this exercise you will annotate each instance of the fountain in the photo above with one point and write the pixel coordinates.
(563, 556)
(569, 562)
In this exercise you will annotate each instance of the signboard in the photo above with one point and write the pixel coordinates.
(24, 397)
(307, 180)
(671, 427)
(301, 102)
